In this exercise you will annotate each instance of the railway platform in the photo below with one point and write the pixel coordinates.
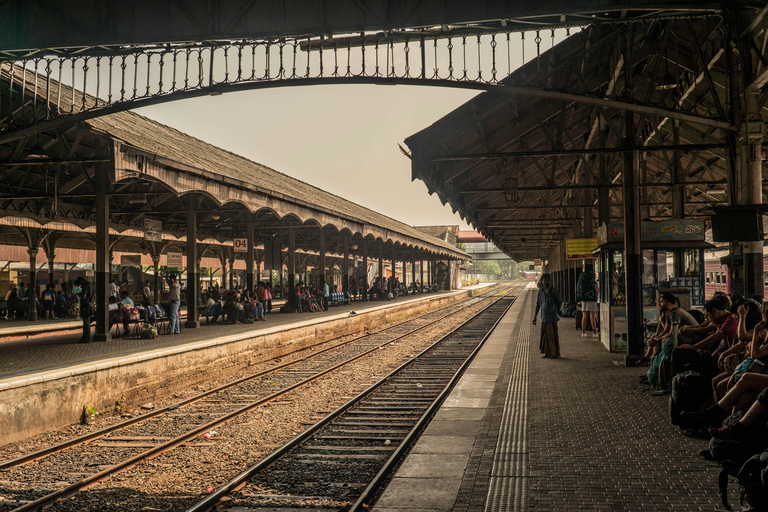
(519, 432)
(45, 380)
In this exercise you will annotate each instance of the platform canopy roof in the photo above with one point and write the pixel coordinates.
(155, 170)
(526, 167)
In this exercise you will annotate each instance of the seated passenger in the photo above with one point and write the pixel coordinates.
(702, 356)
(734, 361)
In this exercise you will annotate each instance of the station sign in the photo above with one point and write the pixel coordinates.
(679, 230)
(173, 261)
(580, 248)
(130, 260)
(536, 262)
(153, 230)
(240, 244)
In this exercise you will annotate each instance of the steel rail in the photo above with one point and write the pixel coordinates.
(138, 419)
(72, 489)
(240, 480)
(399, 453)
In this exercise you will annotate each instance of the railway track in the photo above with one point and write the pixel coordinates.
(127, 444)
(341, 462)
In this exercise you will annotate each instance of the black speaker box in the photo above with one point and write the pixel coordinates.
(737, 226)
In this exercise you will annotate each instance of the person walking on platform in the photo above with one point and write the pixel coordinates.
(175, 298)
(586, 292)
(86, 306)
(548, 301)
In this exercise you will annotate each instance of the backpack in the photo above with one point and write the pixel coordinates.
(585, 289)
(48, 295)
(752, 477)
(689, 392)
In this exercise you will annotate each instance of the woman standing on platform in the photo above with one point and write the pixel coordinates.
(548, 301)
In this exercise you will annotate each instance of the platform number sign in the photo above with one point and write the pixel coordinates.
(241, 244)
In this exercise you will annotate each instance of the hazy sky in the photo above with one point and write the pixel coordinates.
(341, 138)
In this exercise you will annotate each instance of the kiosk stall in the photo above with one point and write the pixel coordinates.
(673, 260)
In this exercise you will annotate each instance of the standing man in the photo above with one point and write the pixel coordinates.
(548, 301)
(326, 295)
(86, 306)
(175, 297)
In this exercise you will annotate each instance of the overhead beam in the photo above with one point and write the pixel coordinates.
(576, 152)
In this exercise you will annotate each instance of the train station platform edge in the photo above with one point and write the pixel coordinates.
(45, 381)
(519, 432)
(293, 322)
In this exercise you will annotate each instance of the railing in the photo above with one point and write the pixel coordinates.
(88, 85)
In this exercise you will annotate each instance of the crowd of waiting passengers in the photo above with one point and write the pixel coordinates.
(235, 306)
(715, 368)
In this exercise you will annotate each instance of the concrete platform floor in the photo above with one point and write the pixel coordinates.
(573, 434)
(59, 349)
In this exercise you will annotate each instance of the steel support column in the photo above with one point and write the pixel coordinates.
(678, 180)
(364, 284)
(249, 257)
(751, 190)
(51, 255)
(604, 192)
(32, 313)
(102, 256)
(223, 263)
(232, 272)
(632, 250)
(291, 264)
(193, 272)
(345, 267)
(322, 264)
(381, 261)
(421, 272)
(156, 278)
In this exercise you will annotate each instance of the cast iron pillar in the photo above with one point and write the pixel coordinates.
(32, 312)
(156, 277)
(345, 267)
(291, 263)
(51, 254)
(381, 260)
(751, 189)
(603, 192)
(322, 264)
(231, 272)
(632, 248)
(103, 260)
(249, 257)
(193, 282)
(394, 263)
(413, 268)
(421, 272)
(364, 283)
(223, 263)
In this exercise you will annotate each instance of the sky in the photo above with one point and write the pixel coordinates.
(341, 138)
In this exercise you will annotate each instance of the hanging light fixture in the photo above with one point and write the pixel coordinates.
(667, 82)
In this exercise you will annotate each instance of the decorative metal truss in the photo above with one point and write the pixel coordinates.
(86, 83)
(528, 171)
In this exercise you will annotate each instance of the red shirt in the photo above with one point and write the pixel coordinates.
(731, 330)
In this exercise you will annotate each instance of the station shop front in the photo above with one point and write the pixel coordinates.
(673, 260)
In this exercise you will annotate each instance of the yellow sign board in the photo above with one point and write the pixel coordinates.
(578, 248)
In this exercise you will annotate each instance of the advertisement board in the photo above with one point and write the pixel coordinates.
(153, 230)
(580, 248)
(174, 261)
(130, 260)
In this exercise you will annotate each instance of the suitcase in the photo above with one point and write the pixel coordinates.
(690, 391)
